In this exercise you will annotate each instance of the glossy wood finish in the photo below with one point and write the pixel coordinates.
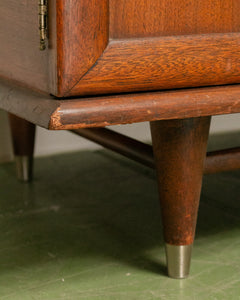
(109, 46)
(23, 136)
(150, 46)
(163, 63)
(50, 113)
(141, 18)
(180, 150)
(20, 58)
(132, 108)
(82, 36)
(169, 52)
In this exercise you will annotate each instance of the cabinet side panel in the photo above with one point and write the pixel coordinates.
(20, 57)
(152, 18)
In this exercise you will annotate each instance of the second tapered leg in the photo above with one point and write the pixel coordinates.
(23, 136)
(180, 150)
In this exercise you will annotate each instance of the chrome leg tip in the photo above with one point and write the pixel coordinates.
(24, 165)
(178, 260)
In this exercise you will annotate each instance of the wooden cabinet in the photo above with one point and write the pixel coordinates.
(114, 46)
(172, 54)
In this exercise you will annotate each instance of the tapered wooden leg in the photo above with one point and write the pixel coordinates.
(180, 149)
(23, 136)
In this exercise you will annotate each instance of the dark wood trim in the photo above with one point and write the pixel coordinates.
(216, 161)
(42, 110)
(23, 136)
(23, 140)
(222, 160)
(162, 63)
(27, 104)
(180, 150)
(45, 111)
(133, 108)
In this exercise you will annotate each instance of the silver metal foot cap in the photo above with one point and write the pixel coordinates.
(178, 260)
(24, 166)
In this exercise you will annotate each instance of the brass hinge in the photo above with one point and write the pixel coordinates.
(43, 22)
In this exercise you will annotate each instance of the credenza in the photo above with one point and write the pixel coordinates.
(84, 65)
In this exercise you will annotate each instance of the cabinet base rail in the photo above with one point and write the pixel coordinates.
(216, 161)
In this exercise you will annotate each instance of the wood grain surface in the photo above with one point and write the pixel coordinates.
(34, 107)
(48, 112)
(108, 46)
(82, 36)
(154, 18)
(179, 148)
(156, 45)
(133, 108)
(164, 63)
(20, 58)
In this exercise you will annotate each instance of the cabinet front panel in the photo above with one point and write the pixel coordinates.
(144, 45)
(151, 18)
(119, 46)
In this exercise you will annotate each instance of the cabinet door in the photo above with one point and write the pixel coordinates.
(121, 46)
(115, 46)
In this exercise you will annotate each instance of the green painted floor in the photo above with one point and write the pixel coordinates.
(89, 227)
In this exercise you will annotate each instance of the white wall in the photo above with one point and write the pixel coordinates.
(51, 142)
